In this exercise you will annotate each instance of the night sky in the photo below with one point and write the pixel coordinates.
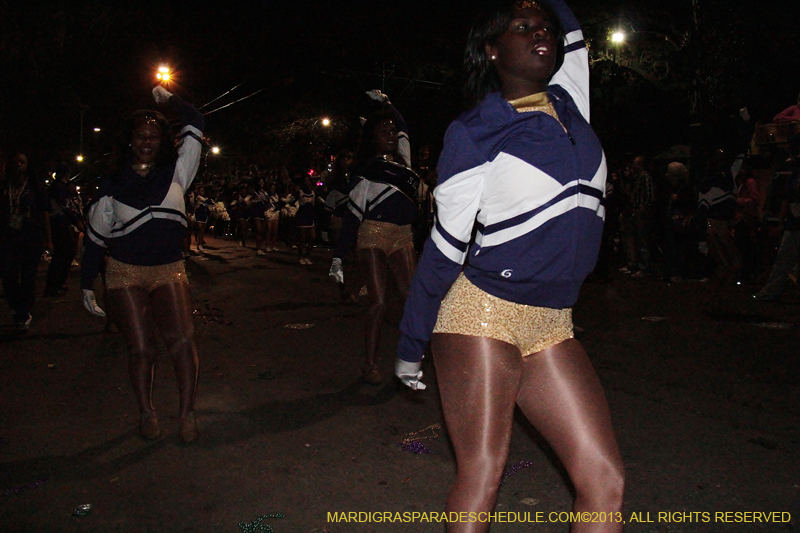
(313, 59)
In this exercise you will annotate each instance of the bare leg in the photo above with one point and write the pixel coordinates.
(478, 380)
(374, 266)
(561, 396)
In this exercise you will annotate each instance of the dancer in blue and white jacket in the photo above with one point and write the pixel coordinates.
(139, 219)
(382, 205)
(524, 172)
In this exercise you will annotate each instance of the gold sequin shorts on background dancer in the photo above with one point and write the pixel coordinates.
(384, 236)
(122, 275)
(467, 310)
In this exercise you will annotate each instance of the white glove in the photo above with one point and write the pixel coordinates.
(336, 271)
(90, 303)
(377, 95)
(409, 373)
(160, 94)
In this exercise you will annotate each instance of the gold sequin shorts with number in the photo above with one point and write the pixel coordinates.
(122, 275)
(467, 310)
(384, 236)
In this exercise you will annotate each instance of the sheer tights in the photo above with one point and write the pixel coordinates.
(374, 267)
(480, 381)
(137, 314)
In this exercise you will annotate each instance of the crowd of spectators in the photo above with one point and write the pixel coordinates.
(675, 223)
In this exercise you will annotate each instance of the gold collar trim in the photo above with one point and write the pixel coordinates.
(532, 100)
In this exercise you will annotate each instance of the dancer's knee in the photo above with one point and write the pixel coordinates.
(377, 306)
(181, 346)
(142, 351)
(601, 482)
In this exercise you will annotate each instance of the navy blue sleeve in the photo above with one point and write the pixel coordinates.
(349, 234)
(90, 264)
(189, 115)
(460, 170)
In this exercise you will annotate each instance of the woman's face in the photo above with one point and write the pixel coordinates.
(21, 163)
(146, 143)
(386, 138)
(525, 55)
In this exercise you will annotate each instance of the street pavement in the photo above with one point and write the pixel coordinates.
(702, 384)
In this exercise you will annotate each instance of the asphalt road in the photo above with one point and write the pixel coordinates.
(702, 383)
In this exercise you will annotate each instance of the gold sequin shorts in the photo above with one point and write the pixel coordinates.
(467, 310)
(122, 275)
(384, 236)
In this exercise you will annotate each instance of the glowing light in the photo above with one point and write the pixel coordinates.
(618, 37)
(96, 130)
(79, 158)
(215, 150)
(326, 121)
(163, 73)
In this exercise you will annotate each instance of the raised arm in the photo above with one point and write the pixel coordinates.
(190, 138)
(573, 75)
(403, 142)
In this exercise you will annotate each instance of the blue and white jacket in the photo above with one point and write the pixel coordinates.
(533, 191)
(142, 220)
(383, 191)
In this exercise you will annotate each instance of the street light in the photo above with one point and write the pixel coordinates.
(163, 74)
(215, 150)
(79, 158)
(97, 130)
(617, 37)
(326, 121)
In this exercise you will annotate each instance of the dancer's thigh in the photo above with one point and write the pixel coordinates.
(132, 312)
(403, 262)
(562, 397)
(172, 309)
(478, 379)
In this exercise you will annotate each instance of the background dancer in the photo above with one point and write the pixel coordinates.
(527, 167)
(381, 209)
(138, 216)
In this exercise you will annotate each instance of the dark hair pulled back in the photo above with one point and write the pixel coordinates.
(482, 78)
